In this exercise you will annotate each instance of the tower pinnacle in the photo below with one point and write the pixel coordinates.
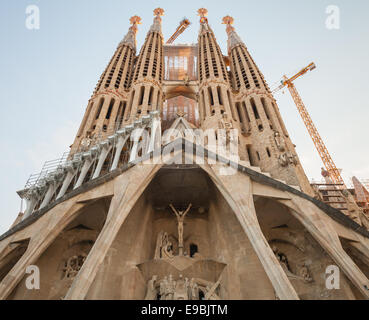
(156, 26)
(130, 38)
(233, 37)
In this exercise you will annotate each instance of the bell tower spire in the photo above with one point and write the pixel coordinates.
(215, 99)
(267, 141)
(105, 110)
(146, 93)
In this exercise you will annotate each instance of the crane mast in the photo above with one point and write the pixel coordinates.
(183, 25)
(330, 166)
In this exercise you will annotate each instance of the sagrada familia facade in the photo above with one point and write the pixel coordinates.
(139, 212)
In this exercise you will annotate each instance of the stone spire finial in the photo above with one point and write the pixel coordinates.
(158, 12)
(156, 27)
(233, 38)
(202, 12)
(228, 20)
(130, 38)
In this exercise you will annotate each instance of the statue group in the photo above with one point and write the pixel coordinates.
(180, 289)
(170, 289)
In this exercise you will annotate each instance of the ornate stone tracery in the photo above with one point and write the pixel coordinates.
(73, 265)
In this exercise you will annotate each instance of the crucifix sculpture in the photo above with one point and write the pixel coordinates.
(180, 220)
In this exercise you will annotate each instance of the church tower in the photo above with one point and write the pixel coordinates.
(214, 91)
(124, 217)
(146, 94)
(107, 107)
(268, 143)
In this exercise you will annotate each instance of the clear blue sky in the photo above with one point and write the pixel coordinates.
(48, 75)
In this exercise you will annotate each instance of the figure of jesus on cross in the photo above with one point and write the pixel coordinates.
(180, 220)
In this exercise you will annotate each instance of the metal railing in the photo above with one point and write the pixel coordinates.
(48, 167)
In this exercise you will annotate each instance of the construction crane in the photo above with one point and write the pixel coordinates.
(183, 25)
(331, 168)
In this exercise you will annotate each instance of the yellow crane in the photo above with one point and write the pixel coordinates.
(330, 166)
(183, 25)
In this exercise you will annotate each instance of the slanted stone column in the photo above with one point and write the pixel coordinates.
(128, 188)
(312, 218)
(237, 190)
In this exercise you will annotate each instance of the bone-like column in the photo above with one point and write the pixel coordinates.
(61, 215)
(322, 230)
(101, 161)
(128, 188)
(237, 191)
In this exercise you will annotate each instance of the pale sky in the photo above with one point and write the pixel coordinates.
(48, 75)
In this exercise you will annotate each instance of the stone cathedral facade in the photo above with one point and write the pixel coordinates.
(128, 215)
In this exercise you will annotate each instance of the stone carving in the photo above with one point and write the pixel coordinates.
(287, 158)
(164, 247)
(73, 265)
(151, 293)
(305, 274)
(170, 288)
(210, 295)
(303, 271)
(193, 290)
(180, 221)
(210, 291)
(279, 141)
(181, 289)
(163, 288)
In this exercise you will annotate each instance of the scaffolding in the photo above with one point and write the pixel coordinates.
(180, 62)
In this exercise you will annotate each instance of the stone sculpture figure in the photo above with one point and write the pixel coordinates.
(305, 274)
(163, 288)
(193, 290)
(180, 222)
(164, 247)
(151, 292)
(170, 288)
(181, 289)
(279, 141)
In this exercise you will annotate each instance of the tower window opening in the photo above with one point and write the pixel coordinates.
(258, 155)
(247, 114)
(219, 95)
(254, 109)
(193, 249)
(142, 92)
(150, 95)
(130, 104)
(263, 102)
(251, 159)
(108, 113)
(238, 112)
(211, 98)
(99, 109)
(260, 127)
(268, 152)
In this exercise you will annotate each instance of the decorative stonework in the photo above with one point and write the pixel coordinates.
(73, 265)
